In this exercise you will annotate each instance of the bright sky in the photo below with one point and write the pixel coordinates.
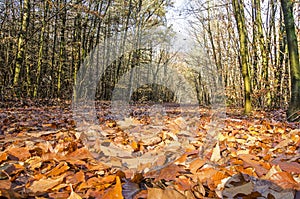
(180, 26)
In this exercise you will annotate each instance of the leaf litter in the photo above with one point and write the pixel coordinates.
(43, 155)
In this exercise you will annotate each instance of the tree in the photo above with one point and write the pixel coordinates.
(20, 59)
(238, 8)
(294, 105)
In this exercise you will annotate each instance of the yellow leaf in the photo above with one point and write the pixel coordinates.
(216, 154)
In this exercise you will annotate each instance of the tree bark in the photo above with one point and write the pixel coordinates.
(238, 7)
(21, 42)
(293, 112)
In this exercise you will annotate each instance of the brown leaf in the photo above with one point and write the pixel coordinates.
(34, 162)
(141, 195)
(285, 180)
(169, 172)
(216, 154)
(253, 163)
(245, 189)
(21, 153)
(287, 166)
(115, 192)
(183, 184)
(5, 184)
(45, 184)
(196, 164)
(77, 178)
(74, 195)
(81, 154)
(204, 174)
(3, 156)
(58, 170)
(155, 193)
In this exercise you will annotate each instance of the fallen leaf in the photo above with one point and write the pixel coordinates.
(58, 170)
(285, 180)
(5, 184)
(21, 153)
(183, 184)
(216, 154)
(130, 189)
(253, 163)
(245, 189)
(169, 173)
(155, 193)
(196, 164)
(45, 184)
(3, 156)
(292, 167)
(74, 195)
(115, 192)
(204, 174)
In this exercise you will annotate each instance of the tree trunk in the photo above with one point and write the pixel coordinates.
(293, 113)
(21, 42)
(41, 50)
(238, 7)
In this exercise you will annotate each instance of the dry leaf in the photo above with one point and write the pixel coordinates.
(3, 156)
(285, 180)
(74, 195)
(245, 189)
(61, 168)
(216, 154)
(5, 184)
(287, 166)
(45, 184)
(21, 153)
(204, 174)
(196, 164)
(155, 193)
(169, 172)
(115, 192)
(253, 163)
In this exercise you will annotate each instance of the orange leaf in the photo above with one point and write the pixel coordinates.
(21, 153)
(3, 156)
(82, 153)
(183, 184)
(260, 170)
(5, 184)
(155, 193)
(169, 173)
(287, 166)
(115, 192)
(77, 178)
(74, 195)
(285, 180)
(205, 174)
(45, 184)
(59, 169)
(196, 164)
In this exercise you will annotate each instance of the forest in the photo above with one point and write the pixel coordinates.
(117, 99)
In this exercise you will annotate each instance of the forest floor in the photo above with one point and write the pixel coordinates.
(174, 152)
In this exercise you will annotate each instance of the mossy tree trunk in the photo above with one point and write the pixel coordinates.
(293, 113)
(238, 8)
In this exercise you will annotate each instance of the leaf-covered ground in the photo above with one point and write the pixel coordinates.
(45, 155)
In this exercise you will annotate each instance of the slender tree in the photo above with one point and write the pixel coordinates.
(293, 113)
(21, 41)
(238, 8)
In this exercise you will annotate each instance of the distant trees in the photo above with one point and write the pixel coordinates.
(44, 43)
(247, 41)
(250, 45)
